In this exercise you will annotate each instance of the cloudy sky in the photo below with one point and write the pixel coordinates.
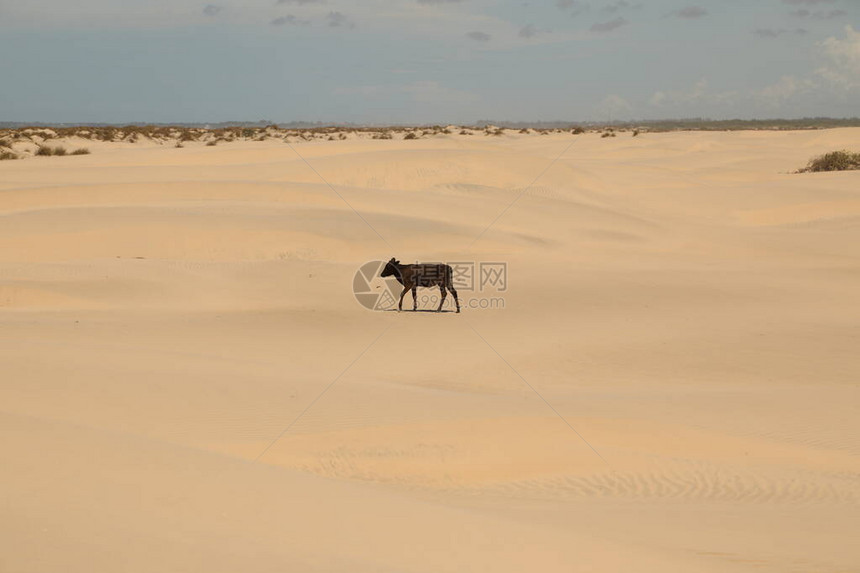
(437, 61)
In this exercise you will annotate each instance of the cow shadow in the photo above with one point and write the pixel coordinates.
(428, 310)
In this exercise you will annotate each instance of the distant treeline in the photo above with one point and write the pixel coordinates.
(694, 124)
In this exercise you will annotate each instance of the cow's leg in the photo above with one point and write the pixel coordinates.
(454, 292)
(414, 298)
(400, 304)
(444, 294)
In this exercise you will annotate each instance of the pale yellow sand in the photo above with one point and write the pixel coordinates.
(690, 307)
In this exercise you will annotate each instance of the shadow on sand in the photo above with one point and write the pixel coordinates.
(444, 310)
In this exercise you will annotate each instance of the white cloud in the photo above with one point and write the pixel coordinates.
(614, 106)
(680, 96)
(782, 91)
(842, 67)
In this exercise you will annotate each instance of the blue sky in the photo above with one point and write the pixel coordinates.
(426, 61)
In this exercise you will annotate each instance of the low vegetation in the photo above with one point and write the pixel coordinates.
(833, 161)
(21, 142)
(47, 151)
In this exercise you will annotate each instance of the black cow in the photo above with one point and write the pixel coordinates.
(421, 275)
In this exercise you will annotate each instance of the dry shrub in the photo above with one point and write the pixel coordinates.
(46, 151)
(81, 151)
(7, 155)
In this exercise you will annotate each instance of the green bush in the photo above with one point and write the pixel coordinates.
(833, 161)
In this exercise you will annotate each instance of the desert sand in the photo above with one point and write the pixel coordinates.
(671, 385)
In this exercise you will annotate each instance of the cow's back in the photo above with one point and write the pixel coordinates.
(428, 274)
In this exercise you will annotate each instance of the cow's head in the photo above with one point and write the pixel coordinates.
(391, 269)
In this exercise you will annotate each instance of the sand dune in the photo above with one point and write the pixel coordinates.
(684, 301)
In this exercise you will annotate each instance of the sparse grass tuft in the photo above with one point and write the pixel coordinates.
(833, 161)
(81, 151)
